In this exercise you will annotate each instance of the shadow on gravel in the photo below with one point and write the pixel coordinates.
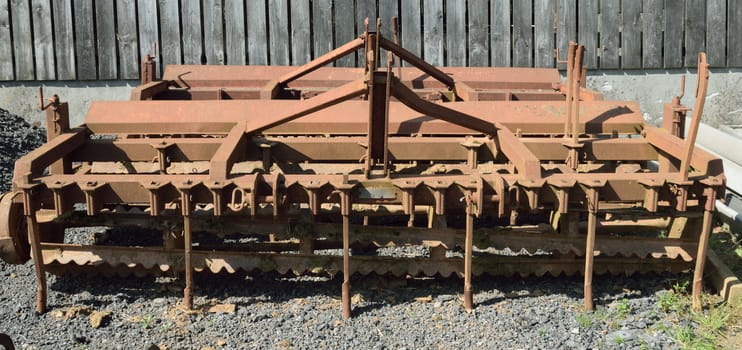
(370, 293)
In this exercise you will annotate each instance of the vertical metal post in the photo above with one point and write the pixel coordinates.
(577, 76)
(468, 297)
(36, 254)
(57, 123)
(345, 209)
(703, 243)
(187, 296)
(592, 208)
(695, 122)
(187, 244)
(570, 72)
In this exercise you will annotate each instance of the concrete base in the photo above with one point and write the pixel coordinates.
(652, 88)
(22, 98)
(725, 282)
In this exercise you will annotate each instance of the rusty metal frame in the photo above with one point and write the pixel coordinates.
(257, 153)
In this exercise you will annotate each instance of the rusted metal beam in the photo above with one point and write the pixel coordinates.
(701, 161)
(330, 98)
(149, 90)
(34, 163)
(144, 117)
(231, 150)
(527, 164)
(255, 77)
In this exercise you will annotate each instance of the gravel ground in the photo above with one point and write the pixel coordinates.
(273, 311)
(17, 137)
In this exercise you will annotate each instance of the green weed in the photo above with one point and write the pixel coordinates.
(584, 319)
(147, 321)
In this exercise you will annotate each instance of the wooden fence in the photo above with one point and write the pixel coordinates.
(105, 39)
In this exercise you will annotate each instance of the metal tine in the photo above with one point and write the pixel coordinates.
(468, 246)
(570, 72)
(592, 218)
(577, 77)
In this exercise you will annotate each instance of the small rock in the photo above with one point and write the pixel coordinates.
(575, 330)
(425, 299)
(223, 308)
(97, 318)
(621, 336)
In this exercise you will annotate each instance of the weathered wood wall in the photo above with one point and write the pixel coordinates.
(105, 39)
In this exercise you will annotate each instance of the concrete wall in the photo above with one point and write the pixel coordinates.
(655, 88)
(651, 88)
(21, 98)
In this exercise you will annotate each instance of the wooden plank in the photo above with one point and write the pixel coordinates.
(455, 33)
(364, 9)
(22, 42)
(500, 40)
(716, 32)
(388, 9)
(652, 24)
(322, 29)
(257, 34)
(433, 32)
(734, 37)
(106, 39)
(411, 27)
(234, 24)
(566, 26)
(631, 49)
(85, 40)
(126, 28)
(479, 43)
(344, 30)
(544, 12)
(213, 32)
(673, 49)
(6, 47)
(301, 40)
(170, 33)
(42, 39)
(148, 32)
(695, 30)
(278, 25)
(610, 13)
(190, 12)
(522, 34)
(587, 30)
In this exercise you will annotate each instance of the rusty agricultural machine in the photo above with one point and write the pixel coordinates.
(306, 161)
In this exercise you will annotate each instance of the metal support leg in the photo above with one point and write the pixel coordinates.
(187, 296)
(589, 249)
(701, 260)
(38, 262)
(346, 267)
(345, 211)
(468, 298)
(592, 219)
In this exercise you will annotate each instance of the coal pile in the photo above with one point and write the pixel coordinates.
(17, 138)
